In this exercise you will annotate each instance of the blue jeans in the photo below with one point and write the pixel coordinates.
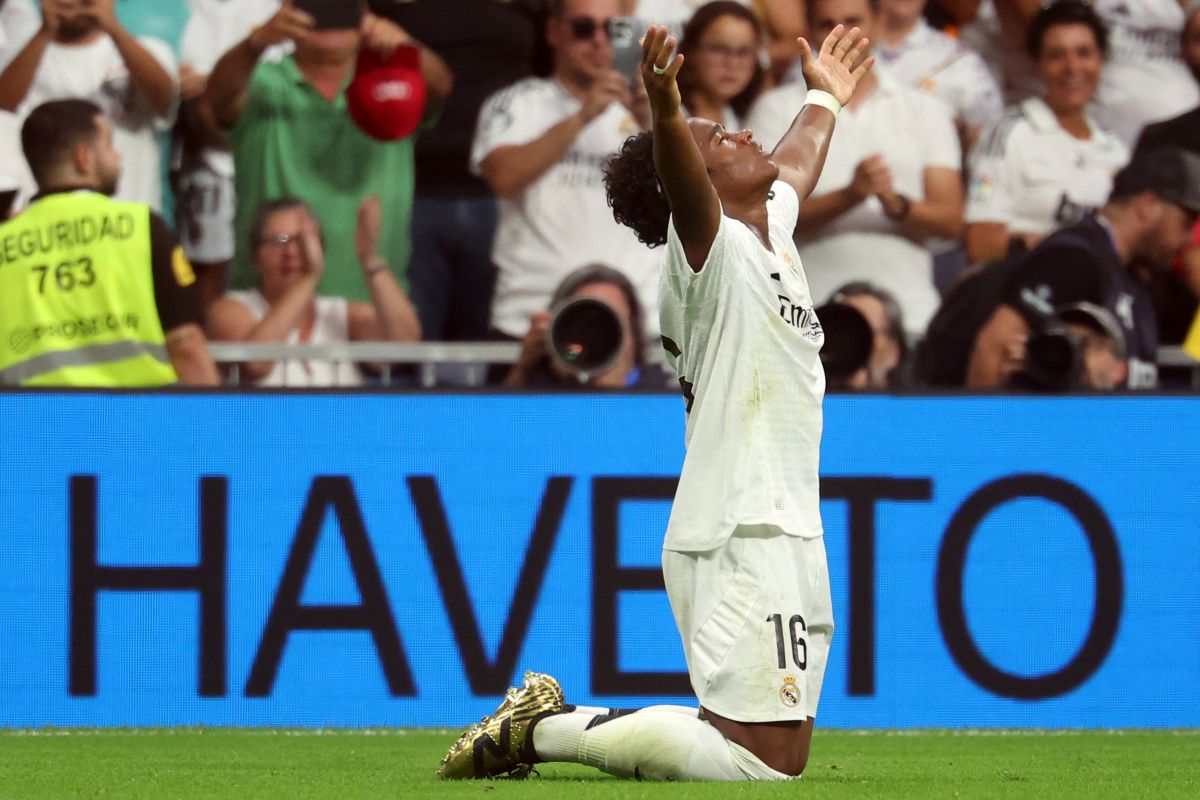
(451, 276)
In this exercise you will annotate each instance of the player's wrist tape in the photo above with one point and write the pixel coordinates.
(374, 266)
(819, 97)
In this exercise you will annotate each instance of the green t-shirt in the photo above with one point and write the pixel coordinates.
(290, 140)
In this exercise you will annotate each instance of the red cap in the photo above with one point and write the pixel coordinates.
(387, 96)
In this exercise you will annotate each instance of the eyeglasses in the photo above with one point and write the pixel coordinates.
(279, 240)
(585, 27)
(730, 53)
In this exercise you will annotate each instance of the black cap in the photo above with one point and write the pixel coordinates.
(1170, 172)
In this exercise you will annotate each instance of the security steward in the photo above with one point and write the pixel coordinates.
(93, 292)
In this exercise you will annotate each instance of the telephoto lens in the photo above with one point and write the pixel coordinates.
(585, 337)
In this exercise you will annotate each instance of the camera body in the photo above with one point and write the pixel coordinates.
(1053, 358)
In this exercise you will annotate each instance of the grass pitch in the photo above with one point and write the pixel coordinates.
(216, 764)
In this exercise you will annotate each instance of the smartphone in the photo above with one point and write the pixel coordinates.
(334, 14)
(626, 34)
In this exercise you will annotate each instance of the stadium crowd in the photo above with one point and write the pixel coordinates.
(438, 170)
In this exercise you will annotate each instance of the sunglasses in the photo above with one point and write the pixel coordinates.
(586, 27)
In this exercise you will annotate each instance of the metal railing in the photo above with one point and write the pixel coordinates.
(473, 357)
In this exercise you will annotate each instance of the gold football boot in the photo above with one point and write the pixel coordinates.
(497, 744)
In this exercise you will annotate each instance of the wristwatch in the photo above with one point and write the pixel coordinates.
(902, 212)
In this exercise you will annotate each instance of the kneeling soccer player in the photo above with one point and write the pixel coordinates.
(744, 558)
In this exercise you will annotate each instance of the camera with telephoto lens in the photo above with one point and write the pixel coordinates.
(585, 337)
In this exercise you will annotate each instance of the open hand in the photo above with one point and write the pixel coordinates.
(660, 70)
(835, 68)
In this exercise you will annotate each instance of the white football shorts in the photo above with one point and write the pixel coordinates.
(756, 620)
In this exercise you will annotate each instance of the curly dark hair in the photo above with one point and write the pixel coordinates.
(634, 193)
(1065, 12)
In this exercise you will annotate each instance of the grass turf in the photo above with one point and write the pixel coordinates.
(238, 764)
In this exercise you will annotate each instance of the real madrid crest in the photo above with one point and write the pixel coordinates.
(789, 693)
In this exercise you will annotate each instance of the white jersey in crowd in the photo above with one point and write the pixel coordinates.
(1144, 80)
(96, 72)
(19, 21)
(561, 220)
(939, 64)
(332, 324)
(213, 28)
(1033, 176)
(744, 339)
(913, 131)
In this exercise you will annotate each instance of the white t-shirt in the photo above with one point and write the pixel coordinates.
(744, 339)
(1144, 80)
(215, 27)
(913, 131)
(930, 60)
(332, 324)
(19, 21)
(1033, 176)
(561, 221)
(97, 72)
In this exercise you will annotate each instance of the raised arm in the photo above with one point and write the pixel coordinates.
(695, 208)
(832, 75)
(229, 83)
(390, 315)
(148, 76)
(18, 76)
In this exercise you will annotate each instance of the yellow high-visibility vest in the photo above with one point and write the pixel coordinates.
(77, 301)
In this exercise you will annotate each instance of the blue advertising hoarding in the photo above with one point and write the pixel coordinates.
(379, 560)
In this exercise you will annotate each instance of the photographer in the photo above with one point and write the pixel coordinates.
(1147, 221)
(1080, 347)
(885, 364)
(538, 367)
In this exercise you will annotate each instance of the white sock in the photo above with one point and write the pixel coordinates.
(657, 743)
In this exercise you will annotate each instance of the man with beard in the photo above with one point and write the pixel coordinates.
(95, 291)
(83, 51)
(1146, 222)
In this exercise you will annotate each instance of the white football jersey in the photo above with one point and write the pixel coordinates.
(744, 339)
(1033, 176)
(941, 65)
